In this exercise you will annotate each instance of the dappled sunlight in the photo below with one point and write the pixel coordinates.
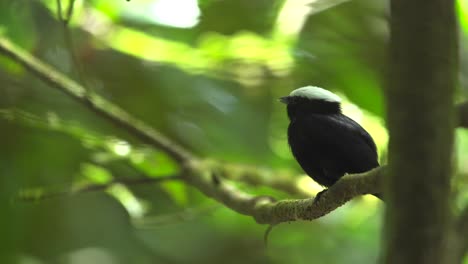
(135, 207)
(461, 150)
(292, 17)
(307, 185)
(462, 8)
(120, 147)
(96, 174)
(244, 49)
(174, 13)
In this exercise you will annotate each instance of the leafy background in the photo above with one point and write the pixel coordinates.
(208, 75)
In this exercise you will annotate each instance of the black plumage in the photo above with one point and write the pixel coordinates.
(326, 143)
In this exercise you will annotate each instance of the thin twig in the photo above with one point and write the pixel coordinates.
(69, 43)
(284, 181)
(59, 10)
(266, 235)
(98, 187)
(71, 5)
(188, 214)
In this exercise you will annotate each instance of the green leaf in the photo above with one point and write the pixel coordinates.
(177, 191)
(153, 162)
(96, 174)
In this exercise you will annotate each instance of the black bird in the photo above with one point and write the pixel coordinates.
(326, 143)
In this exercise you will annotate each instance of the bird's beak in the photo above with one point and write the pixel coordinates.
(284, 99)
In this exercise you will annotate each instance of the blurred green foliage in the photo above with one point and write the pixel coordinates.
(208, 75)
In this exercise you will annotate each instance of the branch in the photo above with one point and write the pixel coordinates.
(34, 196)
(267, 211)
(94, 102)
(201, 174)
(284, 180)
(67, 37)
(71, 4)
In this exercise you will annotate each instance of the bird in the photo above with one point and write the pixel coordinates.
(326, 143)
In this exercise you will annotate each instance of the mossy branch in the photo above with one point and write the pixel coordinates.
(265, 210)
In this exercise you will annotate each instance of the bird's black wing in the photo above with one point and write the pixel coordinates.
(331, 145)
(362, 132)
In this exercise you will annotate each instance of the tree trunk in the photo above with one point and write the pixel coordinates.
(422, 79)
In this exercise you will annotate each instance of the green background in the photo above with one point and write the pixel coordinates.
(207, 74)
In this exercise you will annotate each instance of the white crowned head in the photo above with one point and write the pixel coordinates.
(315, 93)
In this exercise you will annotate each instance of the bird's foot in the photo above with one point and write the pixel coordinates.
(317, 197)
